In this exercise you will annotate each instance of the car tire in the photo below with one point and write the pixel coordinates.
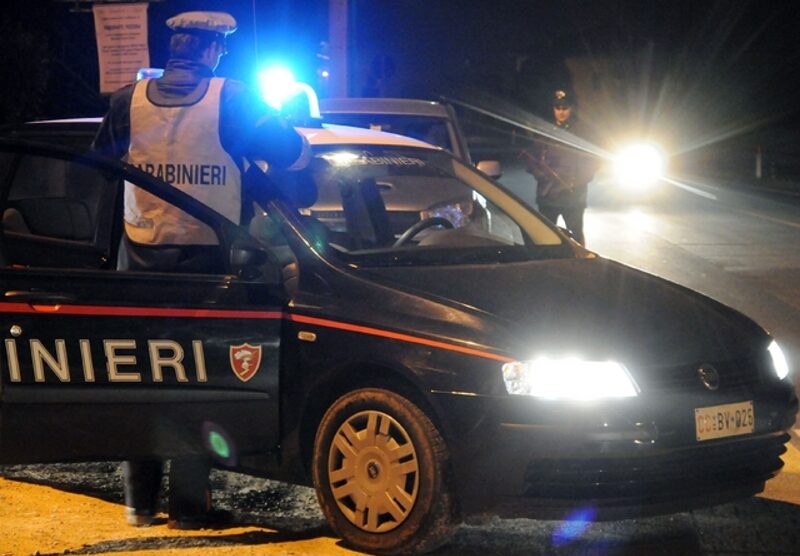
(380, 469)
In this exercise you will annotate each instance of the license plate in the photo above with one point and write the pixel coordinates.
(720, 421)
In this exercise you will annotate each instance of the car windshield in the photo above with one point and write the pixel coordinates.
(425, 128)
(383, 205)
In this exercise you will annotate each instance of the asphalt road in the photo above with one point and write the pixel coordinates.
(76, 509)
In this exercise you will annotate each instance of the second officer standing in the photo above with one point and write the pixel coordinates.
(562, 172)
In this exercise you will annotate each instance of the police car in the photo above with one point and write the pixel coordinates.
(430, 121)
(475, 361)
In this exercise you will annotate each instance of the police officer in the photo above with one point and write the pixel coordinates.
(195, 131)
(562, 172)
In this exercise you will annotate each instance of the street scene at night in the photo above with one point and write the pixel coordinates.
(399, 277)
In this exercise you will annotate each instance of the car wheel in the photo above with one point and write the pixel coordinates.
(380, 472)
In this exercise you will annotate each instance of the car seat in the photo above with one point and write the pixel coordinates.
(365, 214)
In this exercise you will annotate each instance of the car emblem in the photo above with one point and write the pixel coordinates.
(708, 376)
(245, 361)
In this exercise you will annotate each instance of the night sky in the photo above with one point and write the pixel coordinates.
(705, 68)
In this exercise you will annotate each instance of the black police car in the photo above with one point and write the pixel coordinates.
(473, 360)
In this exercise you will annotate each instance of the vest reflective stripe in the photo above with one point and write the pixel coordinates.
(180, 145)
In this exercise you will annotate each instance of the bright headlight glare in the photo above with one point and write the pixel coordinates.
(571, 379)
(639, 165)
(779, 362)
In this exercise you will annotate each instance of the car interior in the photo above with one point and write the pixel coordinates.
(380, 206)
(60, 212)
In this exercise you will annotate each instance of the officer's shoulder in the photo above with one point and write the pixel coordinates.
(235, 86)
(236, 93)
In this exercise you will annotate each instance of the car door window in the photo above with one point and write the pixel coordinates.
(64, 210)
(67, 213)
(393, 198)
(58, 213)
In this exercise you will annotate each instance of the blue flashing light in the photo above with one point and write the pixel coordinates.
(149, 73)
(574, 526)
(278, 86)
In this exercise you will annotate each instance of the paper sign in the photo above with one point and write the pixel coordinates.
(121, 31)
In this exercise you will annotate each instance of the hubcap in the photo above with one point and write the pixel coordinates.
(373, 471)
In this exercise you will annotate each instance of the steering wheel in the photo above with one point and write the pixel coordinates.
(422, 225)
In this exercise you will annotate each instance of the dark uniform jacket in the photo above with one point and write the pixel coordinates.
(562, 172)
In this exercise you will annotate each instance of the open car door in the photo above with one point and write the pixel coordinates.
(100, 363)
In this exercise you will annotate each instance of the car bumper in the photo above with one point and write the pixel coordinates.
(520, 457)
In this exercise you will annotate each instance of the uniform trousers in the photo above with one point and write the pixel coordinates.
(573, 219)
(189, 490)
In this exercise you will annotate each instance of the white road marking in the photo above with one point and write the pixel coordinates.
(690, 189)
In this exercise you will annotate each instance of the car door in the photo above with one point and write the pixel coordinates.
(104, 363)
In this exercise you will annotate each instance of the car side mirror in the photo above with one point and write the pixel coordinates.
(251, 263)
(491, 168)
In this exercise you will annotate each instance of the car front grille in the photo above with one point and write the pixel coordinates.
(685, 472)
(684, 378)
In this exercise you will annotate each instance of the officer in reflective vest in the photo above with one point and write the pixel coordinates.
(196, 132)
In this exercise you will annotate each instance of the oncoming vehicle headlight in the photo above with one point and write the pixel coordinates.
(779, 362)
(639, 165)
(569, 379)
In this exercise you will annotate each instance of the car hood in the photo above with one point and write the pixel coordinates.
(585, 307)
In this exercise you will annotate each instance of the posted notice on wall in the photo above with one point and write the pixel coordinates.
(121, 31)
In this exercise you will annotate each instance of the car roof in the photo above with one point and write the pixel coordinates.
(399, 106)
(330, 134)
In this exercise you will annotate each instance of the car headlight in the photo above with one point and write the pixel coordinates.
(639, 166)
(571, 379)
(779, 362)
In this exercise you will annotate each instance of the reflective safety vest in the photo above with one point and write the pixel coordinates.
(181, 146)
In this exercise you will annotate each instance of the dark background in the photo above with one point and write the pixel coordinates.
(712, 79)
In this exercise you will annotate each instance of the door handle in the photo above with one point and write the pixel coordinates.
(36, 297)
